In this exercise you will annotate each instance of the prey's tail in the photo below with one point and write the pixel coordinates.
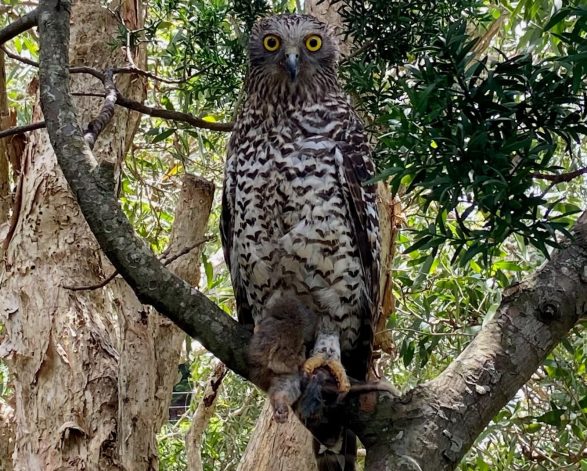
(335, 446)
(339, 458)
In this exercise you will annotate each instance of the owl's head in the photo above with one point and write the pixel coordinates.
(293, 48)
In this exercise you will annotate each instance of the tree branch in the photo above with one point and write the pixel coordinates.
(97, 125)
(19, 26)
(21, 129)
(173, 115)
(561, 177)
(438, 421)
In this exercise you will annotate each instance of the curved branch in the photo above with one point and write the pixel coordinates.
(135, 105)
(19, 26)
(173, 115)
(438, 421)
(150, 280)
(97, 125)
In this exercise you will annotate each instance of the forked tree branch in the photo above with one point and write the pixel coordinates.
(19, 26)
(428, 428)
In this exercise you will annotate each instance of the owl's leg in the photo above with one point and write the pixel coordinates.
(326, 353)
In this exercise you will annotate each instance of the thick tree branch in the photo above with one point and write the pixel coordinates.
(152, 283)
(430, 427)
(19, 26)
(438, 421)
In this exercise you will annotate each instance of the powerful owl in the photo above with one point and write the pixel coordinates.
(299, 214)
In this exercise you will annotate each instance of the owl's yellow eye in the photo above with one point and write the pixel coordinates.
(313, 42)
(271, 42)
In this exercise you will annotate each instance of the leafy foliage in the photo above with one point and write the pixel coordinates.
(476, 136)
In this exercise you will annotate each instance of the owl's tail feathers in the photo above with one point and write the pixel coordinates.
(340, 458)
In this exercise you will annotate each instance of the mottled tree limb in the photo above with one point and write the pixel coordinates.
(97, 125)
(19, 26)
(439, 420)
(428, 428)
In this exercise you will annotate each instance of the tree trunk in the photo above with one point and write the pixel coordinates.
(149, 344)
(62, 346)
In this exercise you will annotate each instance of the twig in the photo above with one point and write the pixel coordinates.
(14, 56)
(21, 129)
(115, 70)
(357, 52)
(561, 177)
(19, 26)
(96, 126)
(164, 261)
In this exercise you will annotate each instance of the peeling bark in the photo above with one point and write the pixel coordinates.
(273, 446)
(62, 348)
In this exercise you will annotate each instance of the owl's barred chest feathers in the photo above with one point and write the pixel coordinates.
(292, 228)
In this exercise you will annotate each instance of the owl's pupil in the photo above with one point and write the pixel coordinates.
(313, 43)
(271, 42)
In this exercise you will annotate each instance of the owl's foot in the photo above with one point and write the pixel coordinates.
(334, 366)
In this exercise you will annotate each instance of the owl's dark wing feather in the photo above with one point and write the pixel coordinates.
(356, 168)
(244, 310)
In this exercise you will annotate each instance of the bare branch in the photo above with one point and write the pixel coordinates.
(561, 177)
(135, 105)
(164, 261)
(21, 129)
(145, 73)
(19, 26)
(16, 57)
(173, 115)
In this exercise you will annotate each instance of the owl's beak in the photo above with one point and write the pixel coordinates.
(292, 64)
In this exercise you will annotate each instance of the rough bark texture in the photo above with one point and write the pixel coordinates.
(61, 346)
(430, 427)
(273, 446)
(4, 124)
(7, 435)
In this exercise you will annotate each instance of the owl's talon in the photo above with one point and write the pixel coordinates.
(335, 368)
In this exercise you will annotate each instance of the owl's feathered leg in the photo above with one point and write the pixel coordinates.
(326, 353)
